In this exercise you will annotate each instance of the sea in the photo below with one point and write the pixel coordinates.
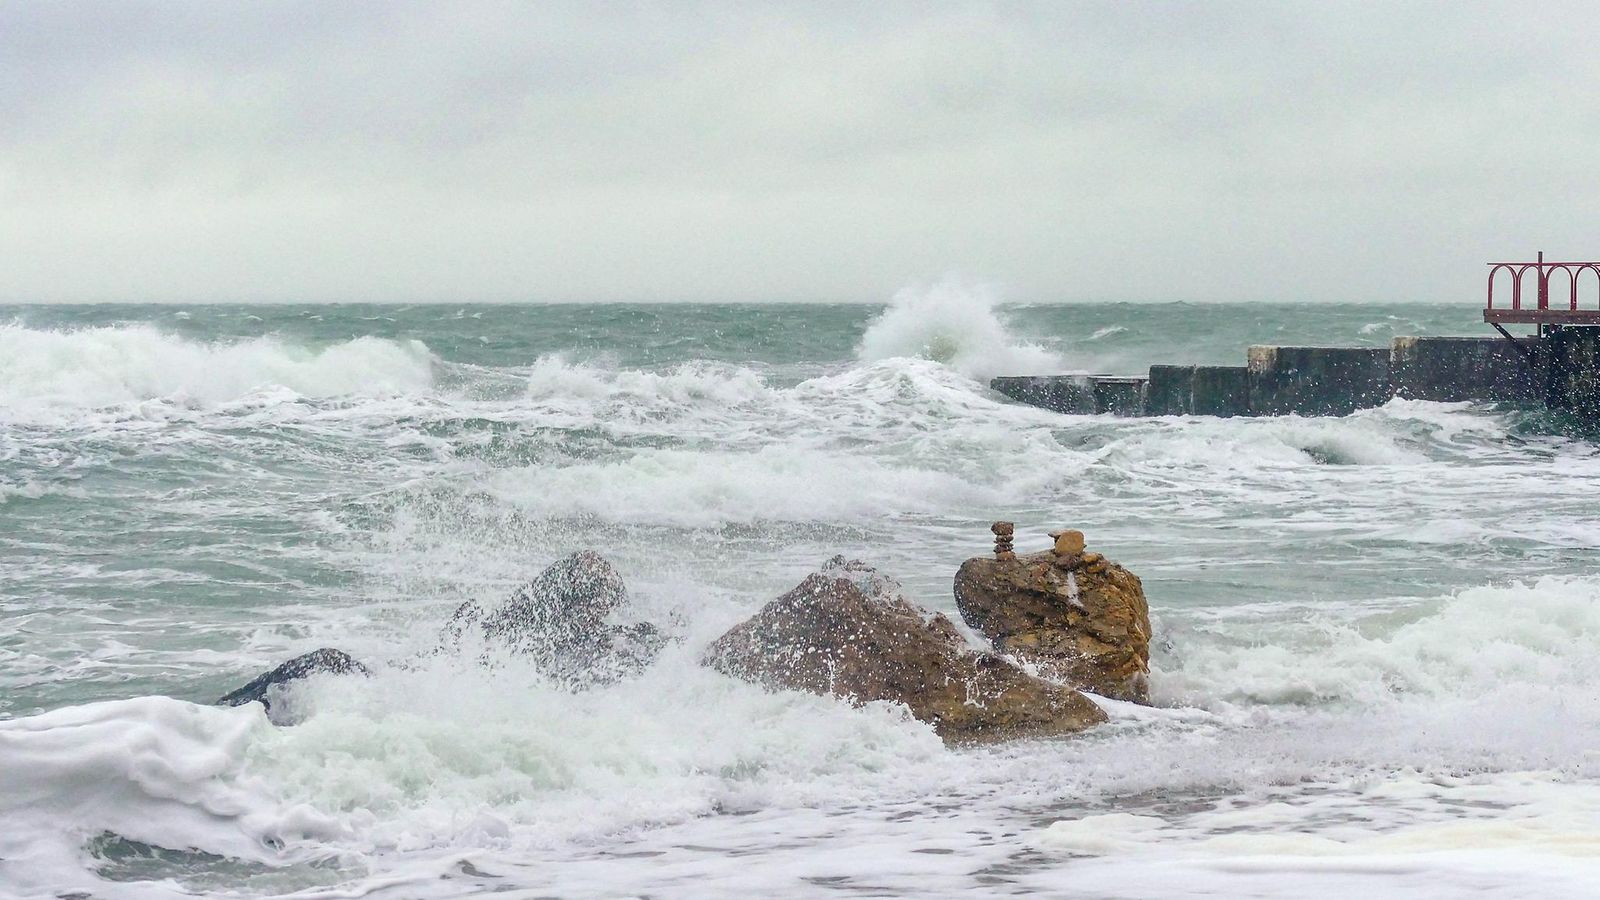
(1374, 664)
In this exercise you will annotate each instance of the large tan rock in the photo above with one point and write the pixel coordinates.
(1077, 616)
(849, 632)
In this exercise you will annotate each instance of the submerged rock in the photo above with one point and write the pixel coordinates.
(563, 620)
(268, 689)
(848, 631)
(1075, 614)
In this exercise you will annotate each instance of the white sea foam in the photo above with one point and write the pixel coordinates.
(438, 758)
(425, 750)
(106, 366)
(675, 487)
(554, 379)
(1254, 444)
(955, 324)
(33, 490)
(154, 770)
(813, 452)
(399, 779)
(1364, 682)
(1482, 643)
(1525, 835)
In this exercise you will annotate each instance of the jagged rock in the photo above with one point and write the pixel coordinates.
(562, 619)
(1077, 616)
(268, 689)
(848, 631)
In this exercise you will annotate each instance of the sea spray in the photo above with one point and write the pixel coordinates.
(110, 365)
(1366, 627)
(955, 324)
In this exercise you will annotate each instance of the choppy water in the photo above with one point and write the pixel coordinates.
(1376, 632)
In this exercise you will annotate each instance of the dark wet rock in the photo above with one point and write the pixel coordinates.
(1074, 614)
(268, 689)
(573, 596)
(848, 631)
(565, 619)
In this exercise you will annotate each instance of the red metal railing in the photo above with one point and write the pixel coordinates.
(1542, 271)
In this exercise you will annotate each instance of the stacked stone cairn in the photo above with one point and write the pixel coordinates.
(1003, 532)
(1075, 615)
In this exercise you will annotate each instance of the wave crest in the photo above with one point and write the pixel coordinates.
(1540, 636)
(111, 365)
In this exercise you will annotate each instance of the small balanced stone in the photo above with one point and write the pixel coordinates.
(1003, 532)
(1068, 543)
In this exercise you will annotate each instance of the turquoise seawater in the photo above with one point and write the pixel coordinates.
(1374, 632)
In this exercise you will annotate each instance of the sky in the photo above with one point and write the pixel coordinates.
(1062, 151)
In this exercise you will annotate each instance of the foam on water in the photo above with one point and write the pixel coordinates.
(107, 366)
(687, 488)
(1375, 633)
(1528, 835)
(400, 778)
(437, 758)
(1440, 724)
(1480, 644)
(153, 770)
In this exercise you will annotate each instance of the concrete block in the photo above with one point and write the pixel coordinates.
(1071, 394)
(1452, 369)
(1220, 391)
(1117, 395)
(1317, 381)
(1170, 391)
(1573, 371)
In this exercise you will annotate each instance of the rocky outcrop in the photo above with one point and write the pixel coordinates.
(268, 689)
(1073, 613)
(564, 620)
(848, 631)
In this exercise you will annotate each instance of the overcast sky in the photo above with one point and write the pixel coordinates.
(721, 151)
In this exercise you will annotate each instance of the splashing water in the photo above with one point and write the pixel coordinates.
(1375, 633)
(954, 324)
(105, 366)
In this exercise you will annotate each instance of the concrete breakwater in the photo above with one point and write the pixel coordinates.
(1560, 369)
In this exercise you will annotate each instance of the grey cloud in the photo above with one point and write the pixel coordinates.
(479, 151)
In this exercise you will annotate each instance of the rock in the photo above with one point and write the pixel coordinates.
(848, 631)
(574, 595)
(563, 619)
(268, 689)
(1068, 543)
(1078, 617)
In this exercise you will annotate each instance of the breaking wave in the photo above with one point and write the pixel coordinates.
(111, 365)
(416, 767)
(1521, 637)
(1351, 618)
